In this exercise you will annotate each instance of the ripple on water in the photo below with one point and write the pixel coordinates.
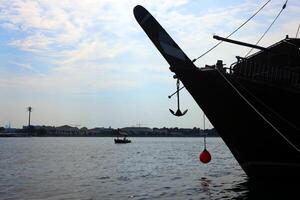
(123, 178)
(176, 178)
(103, 178)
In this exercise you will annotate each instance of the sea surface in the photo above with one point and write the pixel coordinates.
(149, 168)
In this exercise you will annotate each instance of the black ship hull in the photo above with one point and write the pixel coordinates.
(248, 126)
(256, 119)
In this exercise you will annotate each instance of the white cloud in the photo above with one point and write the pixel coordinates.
(91, 50)
(22, 65)
(10, 26)
(34, 43)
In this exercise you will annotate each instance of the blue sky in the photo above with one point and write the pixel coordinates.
(88, 63)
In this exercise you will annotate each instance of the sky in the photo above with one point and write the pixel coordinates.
(89, 64)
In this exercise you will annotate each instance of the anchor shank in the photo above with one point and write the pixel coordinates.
(178, 94)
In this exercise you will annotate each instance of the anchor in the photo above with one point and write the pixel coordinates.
(178, 113)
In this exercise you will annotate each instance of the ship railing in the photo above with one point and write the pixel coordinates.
(265, 72)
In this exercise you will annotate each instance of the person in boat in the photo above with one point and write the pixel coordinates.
(117, 133)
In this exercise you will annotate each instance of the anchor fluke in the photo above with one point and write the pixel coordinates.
(185, 112)
(172, 111)
(178, 112)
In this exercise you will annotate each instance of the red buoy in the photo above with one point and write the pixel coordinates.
(205, 156)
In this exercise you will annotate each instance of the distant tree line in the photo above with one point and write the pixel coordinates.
(69, 131)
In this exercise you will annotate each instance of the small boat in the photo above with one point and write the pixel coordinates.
(123, 139)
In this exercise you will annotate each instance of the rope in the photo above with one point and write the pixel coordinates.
(283, 7)
(260, 114)
(194, 60)
(297, 31)
(204, 131)
(269, 108)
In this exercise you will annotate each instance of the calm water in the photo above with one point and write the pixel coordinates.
(96, 168)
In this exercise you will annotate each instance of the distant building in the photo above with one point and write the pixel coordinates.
(134, 131)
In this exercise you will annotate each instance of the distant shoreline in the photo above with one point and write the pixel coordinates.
(23, 136)
(68, 131)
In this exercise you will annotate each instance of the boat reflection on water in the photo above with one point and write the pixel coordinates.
(205, 187)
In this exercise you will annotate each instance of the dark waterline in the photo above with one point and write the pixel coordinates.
(148, 168)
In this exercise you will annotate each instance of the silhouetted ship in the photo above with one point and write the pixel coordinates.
(254, 104)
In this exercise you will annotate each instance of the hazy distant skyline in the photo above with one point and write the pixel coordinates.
(88, 63)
